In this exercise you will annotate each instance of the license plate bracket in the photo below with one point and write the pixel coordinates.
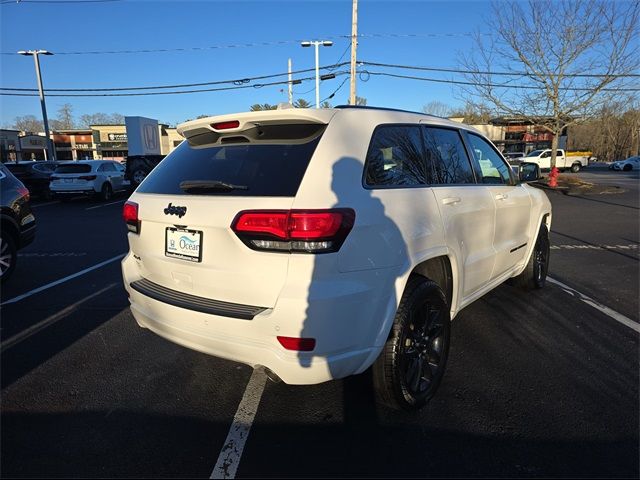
(183, 243)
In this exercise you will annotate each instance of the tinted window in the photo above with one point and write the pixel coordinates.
(446, 157)
(18, 169)
(44, 168)
(73, 168)
(493, 169)
(396, 157)
(270, 170)
(107, 167)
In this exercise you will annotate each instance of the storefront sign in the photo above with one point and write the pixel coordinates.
(33, 141)
(117, 137)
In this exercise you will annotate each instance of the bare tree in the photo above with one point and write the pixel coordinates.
(100, 118)
(64, 119)
(28, 123)
(437, 108)
(473, 113)
(555, 63)
(361, 101)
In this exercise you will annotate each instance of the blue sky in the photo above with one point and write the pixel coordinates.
(134, 25)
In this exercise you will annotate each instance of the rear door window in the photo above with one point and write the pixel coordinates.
(273, 169)
(396, 157)
(447, 158)
(74, 168)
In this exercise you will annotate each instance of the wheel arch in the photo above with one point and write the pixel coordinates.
(8, 224)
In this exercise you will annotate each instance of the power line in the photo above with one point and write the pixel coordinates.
(184, 49)
(336, 90)
(241, 81)
(143, 94)
(236, 45)
(511, 74)
(496, 85)
(338, 64)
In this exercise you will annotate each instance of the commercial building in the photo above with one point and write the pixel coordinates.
(10, 149)
(107, 142)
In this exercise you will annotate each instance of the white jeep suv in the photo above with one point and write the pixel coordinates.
(317, 243)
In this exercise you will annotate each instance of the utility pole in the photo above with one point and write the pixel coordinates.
(50, 152)
(290, 85)
(354, 46)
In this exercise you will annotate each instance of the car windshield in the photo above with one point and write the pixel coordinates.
(74, 168)
(535, 153)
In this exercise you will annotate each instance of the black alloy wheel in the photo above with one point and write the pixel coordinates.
(412, 363)
(534, 275)
(106, 192)
(8, 256)
(422, 349)
(541, 258)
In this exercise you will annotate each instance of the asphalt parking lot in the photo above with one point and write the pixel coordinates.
(537, 384)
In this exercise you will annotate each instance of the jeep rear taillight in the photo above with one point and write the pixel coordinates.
(299, 231)
(130, 216)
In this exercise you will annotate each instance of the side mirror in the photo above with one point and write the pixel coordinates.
(528, 172)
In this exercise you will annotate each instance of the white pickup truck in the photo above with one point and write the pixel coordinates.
(563, 162)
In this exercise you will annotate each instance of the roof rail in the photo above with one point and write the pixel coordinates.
(367, 107)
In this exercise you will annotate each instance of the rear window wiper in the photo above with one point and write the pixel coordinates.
(209, 186)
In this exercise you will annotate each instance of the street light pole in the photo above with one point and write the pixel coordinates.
(51, 152)
(324, 43)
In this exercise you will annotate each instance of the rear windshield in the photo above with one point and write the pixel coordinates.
(77, 168)
(258, 170)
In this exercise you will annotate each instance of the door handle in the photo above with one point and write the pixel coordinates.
(502, 196)
(451, 200)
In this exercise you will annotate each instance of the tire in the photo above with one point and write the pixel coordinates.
(8, 255)
(138, 176)
(627, 168)
(46, 195)
(575, 168)
(106, 192)
(534, 275)
(410, 367)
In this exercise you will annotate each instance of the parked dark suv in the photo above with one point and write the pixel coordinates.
(18, 225)
(35, 176)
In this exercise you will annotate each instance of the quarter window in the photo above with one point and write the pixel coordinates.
(396, 157)
(493, 169)
(447, 159)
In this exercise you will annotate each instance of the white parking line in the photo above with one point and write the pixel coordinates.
(632, 246)
(11, 342)
(62, 280)
(106, 204)
(231, 452)
(603, 308)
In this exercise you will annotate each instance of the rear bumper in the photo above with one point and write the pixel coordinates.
(343, 322)
(71, 189)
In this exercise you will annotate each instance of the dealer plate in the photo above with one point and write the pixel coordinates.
(184, 244)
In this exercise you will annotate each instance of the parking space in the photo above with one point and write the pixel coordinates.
(537, 383)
